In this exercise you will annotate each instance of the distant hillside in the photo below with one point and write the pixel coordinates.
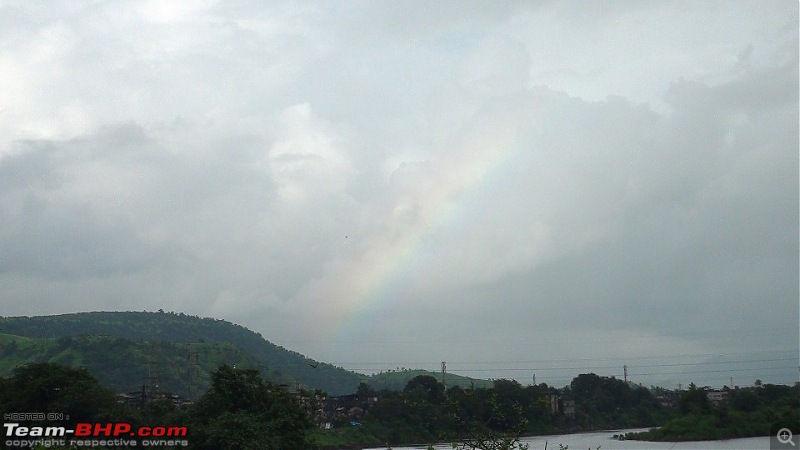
(397, 379)
(169, 328)
(124, 365)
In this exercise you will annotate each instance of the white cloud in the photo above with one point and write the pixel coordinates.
(497, 179)
(307, 159)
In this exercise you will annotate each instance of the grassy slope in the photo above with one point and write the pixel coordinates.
(397, 379)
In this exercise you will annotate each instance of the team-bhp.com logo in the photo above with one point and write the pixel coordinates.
(86, 434)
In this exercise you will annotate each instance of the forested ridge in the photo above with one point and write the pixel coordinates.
(160, 330)
(124, 365)
(121, 349)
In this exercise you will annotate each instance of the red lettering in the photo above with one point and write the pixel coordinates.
(83, 429)
(121, 428)
(100, 430)
(177, 431)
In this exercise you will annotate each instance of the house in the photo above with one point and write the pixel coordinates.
(553, 397)
(351, 406)
(717, 397)
(569, 408)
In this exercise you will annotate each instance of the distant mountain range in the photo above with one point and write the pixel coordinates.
(176, 352)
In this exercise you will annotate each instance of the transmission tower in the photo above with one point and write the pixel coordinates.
(152, 376)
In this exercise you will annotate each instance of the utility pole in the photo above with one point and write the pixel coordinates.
(152, 376)
(625, 372)
(444, 371)
(534, 379)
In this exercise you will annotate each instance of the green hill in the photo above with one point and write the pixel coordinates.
(397, 379)
(140, 336)
(124, 365)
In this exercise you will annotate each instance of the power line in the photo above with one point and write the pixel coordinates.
(542, 361)
(682, 375)
(698, 334)
(750, 369)
(580, 368)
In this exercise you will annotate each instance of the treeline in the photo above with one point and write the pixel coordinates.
(240, 410)
(745, 412)
(424, 411)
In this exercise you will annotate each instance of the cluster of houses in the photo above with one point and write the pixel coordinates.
(146, 395)
(351, 408)
(715, 396)
(342, 409)
(560, 405)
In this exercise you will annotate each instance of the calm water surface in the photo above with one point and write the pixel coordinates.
(604, 439)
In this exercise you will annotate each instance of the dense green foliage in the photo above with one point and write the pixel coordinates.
(54, 388)
(120, 349)
(181, 329)
(748, 412)
(425, 412)
(123, 365)
(396, 380)
(241, 411)
(608, 402)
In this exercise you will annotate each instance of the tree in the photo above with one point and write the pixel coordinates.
(425, 396)
(365, 390)
(510, 397)
(694, 400)
(425, 388)
(48, 387)
(745, 400)
(488, 438)
(241, 411)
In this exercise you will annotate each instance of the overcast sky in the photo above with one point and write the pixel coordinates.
(515, 188)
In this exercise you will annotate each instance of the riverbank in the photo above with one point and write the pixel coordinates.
(605, 440)
(717, 424)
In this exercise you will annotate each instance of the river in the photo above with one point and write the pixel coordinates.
(605, 440)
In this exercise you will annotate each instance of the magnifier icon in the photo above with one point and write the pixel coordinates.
(785, 436)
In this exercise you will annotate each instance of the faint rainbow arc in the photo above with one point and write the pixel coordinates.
(363, 298)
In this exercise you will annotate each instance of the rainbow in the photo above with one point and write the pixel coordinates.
(360, 292)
